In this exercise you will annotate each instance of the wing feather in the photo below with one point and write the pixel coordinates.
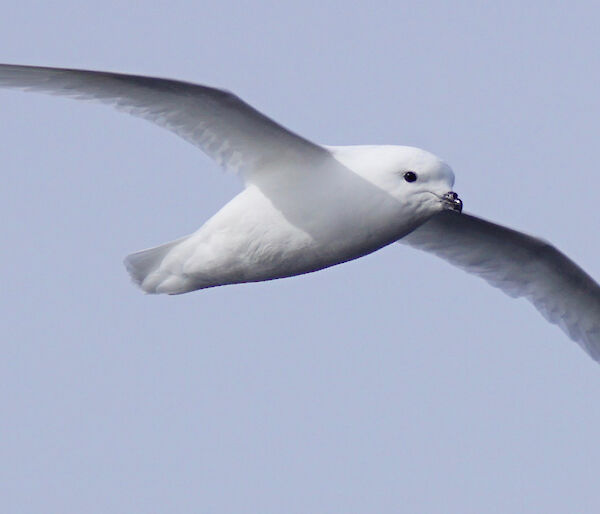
(521, 266)
(234, 134)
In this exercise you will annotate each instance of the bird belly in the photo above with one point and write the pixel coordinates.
(250, 239)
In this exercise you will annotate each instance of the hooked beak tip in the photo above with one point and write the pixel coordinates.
(452, 201)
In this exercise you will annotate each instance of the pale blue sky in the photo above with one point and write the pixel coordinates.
(394, 383)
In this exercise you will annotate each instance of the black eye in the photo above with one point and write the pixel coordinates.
(410, 176)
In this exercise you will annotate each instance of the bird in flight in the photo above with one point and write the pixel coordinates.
(306, 206)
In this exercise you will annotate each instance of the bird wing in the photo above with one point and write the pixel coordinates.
(234, 134)
(521, 266)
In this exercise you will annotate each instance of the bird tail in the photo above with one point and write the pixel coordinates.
(140, 265)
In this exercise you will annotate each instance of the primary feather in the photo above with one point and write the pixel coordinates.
(521, 266)
(234, 134)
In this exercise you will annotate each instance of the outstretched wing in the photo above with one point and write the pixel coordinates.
(521, 266)
(234, 134)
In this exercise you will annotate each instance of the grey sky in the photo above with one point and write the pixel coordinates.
(392, 383)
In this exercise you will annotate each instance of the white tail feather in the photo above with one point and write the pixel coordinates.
(143, 263)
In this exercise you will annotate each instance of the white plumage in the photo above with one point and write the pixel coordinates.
(306, 207)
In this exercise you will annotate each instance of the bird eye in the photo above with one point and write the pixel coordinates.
(410, 176)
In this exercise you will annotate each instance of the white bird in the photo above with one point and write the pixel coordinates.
(306, 207)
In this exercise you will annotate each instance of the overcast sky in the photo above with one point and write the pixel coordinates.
(394, 383)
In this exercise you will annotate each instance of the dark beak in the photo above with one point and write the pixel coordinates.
(452, 201)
